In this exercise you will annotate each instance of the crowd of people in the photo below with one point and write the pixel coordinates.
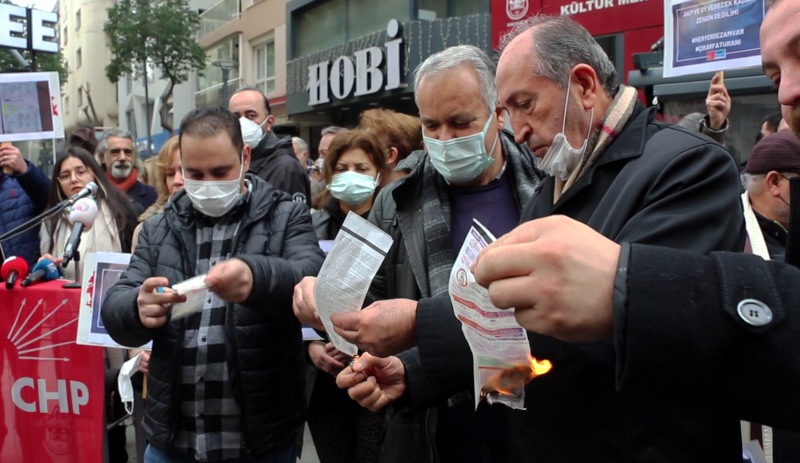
(634, 252)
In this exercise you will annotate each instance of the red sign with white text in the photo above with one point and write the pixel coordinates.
(51, 388)
(599, 17)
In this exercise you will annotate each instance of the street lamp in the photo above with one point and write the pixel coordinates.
(225, 65)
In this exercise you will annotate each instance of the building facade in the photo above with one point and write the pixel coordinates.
(245, 41)
(89, 98)
(346, 56)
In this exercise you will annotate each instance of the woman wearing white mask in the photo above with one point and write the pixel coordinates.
(343, 431)
(355, 163)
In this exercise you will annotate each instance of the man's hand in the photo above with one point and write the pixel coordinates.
(231, 280)
(374, 382)
(11, 159)
(304, 305)
(558, 274)
(718, 103)
(383, 328)
(326, 357)
(153, 306)
(144, 362)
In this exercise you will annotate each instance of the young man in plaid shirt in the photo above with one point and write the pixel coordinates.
(225, 383)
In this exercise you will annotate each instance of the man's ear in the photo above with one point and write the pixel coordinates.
(501, 118)
(269, 123)
(584, 79)
(246, 158)
(772, 182)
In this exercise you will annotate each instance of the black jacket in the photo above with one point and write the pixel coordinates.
(655, 184)
(143, 195)
(277, 242)
(695, 340)
(274, 161)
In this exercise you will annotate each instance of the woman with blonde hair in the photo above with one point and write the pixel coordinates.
(168, 180)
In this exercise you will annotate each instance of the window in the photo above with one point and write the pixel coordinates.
(210, 83)
(78, 20)
(64, 37)
(264, 59)
(78, 58)
(65, 102)
(319, 26)
(437, 9)
(80, 97)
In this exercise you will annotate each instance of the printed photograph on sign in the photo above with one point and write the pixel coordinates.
(101, 270)
(30, 106)
(705, 36)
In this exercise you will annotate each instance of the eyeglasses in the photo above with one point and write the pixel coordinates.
(788, 178)
(66, 175)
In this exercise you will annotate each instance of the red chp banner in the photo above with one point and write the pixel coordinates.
(51, 388)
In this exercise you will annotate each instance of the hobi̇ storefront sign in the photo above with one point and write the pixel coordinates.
(368, 71)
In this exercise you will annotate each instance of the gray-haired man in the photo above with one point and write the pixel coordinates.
(118, 157)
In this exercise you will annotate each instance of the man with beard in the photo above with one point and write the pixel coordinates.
(118, 159)
(273, 158)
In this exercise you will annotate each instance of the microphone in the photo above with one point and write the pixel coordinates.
(81, 217)
(13, 268)
(90, 189)
(44, 270)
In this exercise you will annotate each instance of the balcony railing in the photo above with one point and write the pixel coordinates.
(218, 15)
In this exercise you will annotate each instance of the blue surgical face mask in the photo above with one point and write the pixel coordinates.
(561, 158)
(352, 188)
(461, 159)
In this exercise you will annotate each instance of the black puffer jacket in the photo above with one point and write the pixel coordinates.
(273, 160)
(265, 357)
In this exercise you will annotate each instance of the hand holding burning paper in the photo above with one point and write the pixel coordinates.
(502, 361)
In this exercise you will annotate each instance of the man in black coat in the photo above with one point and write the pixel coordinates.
(226, 382)
(631, 178)
(720, 327)
(273, 158)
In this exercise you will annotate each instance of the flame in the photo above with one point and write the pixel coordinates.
(539, 367)
(510, 380)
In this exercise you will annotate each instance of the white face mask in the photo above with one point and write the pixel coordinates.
(252, 133)
(124, 385)
(461, 159)
(561, 158)
(214, 198)
(352, 188)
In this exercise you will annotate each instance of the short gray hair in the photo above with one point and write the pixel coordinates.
(300, 143)
(332, 130)
(559, 44)
(115, 132)
(461, 55)
(750, 182)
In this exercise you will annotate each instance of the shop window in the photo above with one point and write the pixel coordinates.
(434, 9)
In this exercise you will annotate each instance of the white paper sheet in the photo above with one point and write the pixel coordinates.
(196, 290)
(348, 270)
(496, 339)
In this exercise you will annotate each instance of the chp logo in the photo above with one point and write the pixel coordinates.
(516, 9)
(50, 402)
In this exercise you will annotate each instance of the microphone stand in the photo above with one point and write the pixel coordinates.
(76, 261)
(34, 222)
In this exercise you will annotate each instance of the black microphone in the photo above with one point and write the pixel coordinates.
(45, 270)
(90, 189)
(82, 217)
